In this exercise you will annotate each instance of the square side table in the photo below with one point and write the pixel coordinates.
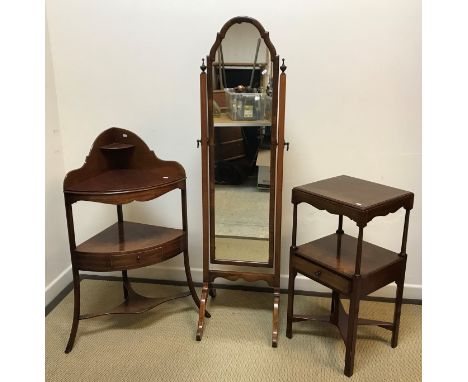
(349, 266)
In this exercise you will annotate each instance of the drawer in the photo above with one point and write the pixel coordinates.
(103, 262)
(92, 262)
(136, 260)
(321, 274)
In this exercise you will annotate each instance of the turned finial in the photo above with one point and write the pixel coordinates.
(203, 66)
(283, 67)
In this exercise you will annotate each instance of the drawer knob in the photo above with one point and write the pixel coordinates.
(318, 273)
(138, 258)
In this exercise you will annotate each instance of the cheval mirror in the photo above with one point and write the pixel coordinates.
(242, 141)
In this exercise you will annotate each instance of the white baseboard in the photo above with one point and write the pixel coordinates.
(411, 291)
(58, 284)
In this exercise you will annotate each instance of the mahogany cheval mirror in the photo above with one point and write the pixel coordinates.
(242, 145)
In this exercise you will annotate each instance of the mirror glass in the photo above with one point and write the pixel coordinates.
(242, 106)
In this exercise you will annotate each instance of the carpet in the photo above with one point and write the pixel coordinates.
(160, 345)
(241, 211)
(244, 249)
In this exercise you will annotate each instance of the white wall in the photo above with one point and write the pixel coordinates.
(353, 102)
(57, 261)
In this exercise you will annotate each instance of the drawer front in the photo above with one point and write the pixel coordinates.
(321, 275)
(115, 262)
(136, 260)
(91, 262)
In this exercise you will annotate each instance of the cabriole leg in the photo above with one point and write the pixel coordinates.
(202, 312)
(190, 282)
(276, 298)
(76, 310)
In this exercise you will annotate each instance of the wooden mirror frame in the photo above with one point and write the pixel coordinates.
(271, 269)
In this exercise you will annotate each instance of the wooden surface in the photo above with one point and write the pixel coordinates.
(128, 237)
(358, 193)
(358, 199)
(124, 180)
(324, 252)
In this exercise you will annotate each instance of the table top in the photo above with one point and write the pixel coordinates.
(358, 199)
(125, 180)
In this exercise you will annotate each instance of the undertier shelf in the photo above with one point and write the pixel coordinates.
(324, 252)
(129, 245)
(129, 237)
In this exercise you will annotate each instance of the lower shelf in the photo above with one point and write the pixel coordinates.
(338, 253)
(128, 245)
(135, 304)
(339, 318)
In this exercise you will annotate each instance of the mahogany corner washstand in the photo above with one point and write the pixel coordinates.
(119, 169)
(349, 266)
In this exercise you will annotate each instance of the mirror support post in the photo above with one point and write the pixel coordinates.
(278, 201)
(204, 154)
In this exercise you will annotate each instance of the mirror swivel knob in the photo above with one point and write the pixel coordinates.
(283, 67)
(203, 66)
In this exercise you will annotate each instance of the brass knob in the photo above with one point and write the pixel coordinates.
(318, 273)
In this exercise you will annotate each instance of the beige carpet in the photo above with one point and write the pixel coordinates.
(241, 211)
(234, 248)
(160, 345)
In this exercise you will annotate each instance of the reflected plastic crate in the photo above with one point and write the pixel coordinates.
(248, 106)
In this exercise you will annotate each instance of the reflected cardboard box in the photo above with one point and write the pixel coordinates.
(263, 163)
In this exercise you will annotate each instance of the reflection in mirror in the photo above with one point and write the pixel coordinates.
(242, 88)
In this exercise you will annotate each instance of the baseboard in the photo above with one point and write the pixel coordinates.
(411, 291)
(57, 285)
(176, 276)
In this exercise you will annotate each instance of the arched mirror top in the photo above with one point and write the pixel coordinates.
(239, 20)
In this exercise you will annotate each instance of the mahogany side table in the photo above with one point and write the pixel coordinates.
(350, 266)
(119, 169)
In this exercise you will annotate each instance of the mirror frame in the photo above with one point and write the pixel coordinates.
(210, 59)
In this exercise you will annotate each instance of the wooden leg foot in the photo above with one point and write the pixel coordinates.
(292, 279)
(351, 335)
(397, 313)
(76, 311)
(190, 283)
(276, 298)
(202, 312)
(212, 290)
